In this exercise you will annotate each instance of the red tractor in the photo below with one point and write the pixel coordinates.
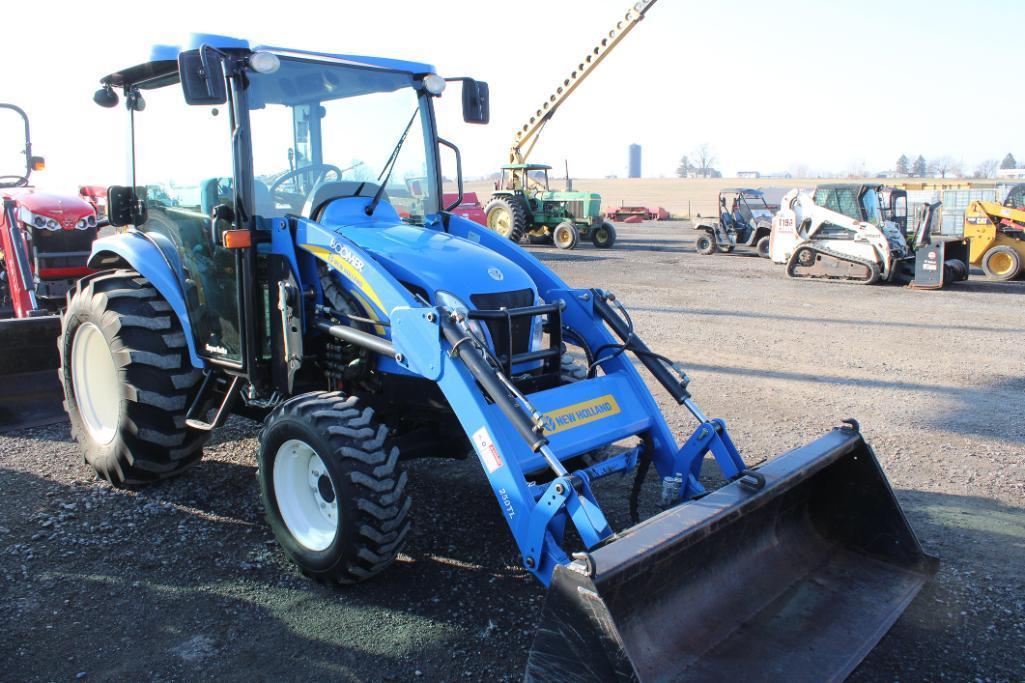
(45, 241)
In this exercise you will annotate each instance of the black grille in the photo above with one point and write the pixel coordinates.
(499, 329)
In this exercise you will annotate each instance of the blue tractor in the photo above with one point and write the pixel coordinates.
(287, 257)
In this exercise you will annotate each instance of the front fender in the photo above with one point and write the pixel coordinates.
(154, 257)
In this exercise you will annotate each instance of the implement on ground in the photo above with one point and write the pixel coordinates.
(368, 324)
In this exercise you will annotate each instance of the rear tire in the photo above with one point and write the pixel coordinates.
(127, 380)
(763, 247)
(565, 235)
(604, 236)
(1001, 263)
(334, 496)
(705, 244)
(505, 215)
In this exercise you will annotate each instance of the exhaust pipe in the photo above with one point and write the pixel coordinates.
(795, 581)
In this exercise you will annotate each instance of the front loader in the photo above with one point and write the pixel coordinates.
(44, 243)
(369, 324)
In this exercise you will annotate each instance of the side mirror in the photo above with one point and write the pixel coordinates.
(476, 101)
(202, 76)
(126, 205)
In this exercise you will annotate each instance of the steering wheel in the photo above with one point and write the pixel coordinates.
(319, 171)
(18, 181)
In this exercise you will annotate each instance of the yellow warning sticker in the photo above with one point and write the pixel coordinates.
(580, 414)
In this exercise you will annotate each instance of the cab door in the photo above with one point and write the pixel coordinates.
(184, 164)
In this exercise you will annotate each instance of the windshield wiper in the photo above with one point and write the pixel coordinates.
(390, 165)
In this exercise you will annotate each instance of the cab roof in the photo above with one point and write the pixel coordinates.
(741, 190)
(163, 60)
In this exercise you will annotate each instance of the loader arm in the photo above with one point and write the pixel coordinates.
(527, 134)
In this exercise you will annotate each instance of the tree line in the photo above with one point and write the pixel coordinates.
(946, 165)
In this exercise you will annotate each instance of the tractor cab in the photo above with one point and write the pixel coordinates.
(1016, 197)
(530, 178)
(866, 202)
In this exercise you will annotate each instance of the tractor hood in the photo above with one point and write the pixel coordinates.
(65, 209)
(427, 258)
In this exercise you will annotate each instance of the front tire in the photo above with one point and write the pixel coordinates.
(334, 496)
(1001, 263)
(505, 215)
(763, 247)
(705, 244)
(127, 380)
(565, 235)
(604, 236)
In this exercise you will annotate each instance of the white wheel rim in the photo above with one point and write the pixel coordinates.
(305, 495)
(95, 381)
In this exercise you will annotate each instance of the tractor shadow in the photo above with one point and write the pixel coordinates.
(187, 582)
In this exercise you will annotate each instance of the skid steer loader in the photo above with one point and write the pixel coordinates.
(842, 234)
(284, 286)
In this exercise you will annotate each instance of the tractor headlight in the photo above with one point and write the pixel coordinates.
(456, 305)
(434, 84)
(40, 222)
(264, 62)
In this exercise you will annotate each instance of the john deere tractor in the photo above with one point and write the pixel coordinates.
(524, 204)
(365, 323)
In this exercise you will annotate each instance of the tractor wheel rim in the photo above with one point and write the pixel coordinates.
(1001, 263)
(94, 378)
(305, 495)
(500, 221)
(602, 235)
(563, 238)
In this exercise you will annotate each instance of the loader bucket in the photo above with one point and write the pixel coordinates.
(796, 581)
(30, 394)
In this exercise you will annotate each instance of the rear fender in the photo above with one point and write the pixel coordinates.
(154, 257)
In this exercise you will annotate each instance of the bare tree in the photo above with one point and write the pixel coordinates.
(987, 169)
(944, 166)
(857, 169)
(705, 158)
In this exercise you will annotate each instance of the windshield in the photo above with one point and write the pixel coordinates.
(322, 130)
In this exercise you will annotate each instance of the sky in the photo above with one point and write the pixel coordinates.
(770, 86)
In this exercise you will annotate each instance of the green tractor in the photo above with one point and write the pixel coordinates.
(524, 204)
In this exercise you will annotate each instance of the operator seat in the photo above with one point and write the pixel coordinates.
(324, 192)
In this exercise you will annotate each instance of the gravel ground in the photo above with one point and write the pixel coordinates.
(183, 581)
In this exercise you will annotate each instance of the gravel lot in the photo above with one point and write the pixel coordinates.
(183, 581)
